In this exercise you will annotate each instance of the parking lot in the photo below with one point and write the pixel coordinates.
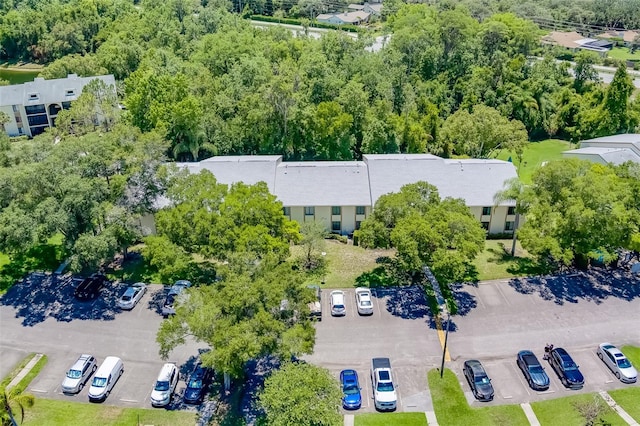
(398, 329)
(496, 320)
(63, 328)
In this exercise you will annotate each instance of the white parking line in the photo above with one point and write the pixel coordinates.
(519, 375)
(502, 293)
(39, 391)
(134, 401)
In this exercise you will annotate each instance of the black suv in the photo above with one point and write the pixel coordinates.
(478, 380)
(197, 385)
(566, 369)
(90, 287)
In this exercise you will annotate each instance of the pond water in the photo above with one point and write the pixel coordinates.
(17, 77)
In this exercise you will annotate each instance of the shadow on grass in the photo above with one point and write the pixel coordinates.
(517, 265)
(45, 257)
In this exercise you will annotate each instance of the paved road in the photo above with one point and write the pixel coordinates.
(42, 316)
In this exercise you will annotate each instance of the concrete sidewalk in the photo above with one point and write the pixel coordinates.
(27, 368)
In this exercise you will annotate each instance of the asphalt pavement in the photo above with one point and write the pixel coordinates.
(40, 315)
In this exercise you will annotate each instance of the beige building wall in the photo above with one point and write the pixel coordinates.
(496, 221)
(348, 218)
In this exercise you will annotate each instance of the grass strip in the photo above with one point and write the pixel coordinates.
(451, 405)
(629, 400)
(32, 374)
(49, 412)
(17, 369)
(563, 411)
(395, 419)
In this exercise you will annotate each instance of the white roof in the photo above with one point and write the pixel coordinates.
(41, 91)
(323, 183)
(608, 155)
(623, 138)
(361, 183)
(475, 181)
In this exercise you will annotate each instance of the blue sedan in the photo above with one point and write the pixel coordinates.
(351, 389)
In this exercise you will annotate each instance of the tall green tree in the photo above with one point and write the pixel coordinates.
(301, 394)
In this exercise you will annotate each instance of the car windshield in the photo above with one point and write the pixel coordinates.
(385, 387)
(74, 374)
(126, 297)
(195, 383)
(350, 389)
(481, 380)
(99, 382)
(338, 306)
(162, 386)
(623, 363)
(365, 302)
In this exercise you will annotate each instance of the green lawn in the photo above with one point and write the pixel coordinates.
(629, 400)
(536, 154)
(451, 406)
(395, 419)
(48, 412)
(4, 259)
(346, 262)
(624, 53)
(562, 411)
(496, 261)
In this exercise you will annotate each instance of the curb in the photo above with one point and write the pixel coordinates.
(27, 368)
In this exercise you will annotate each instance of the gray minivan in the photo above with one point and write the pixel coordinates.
(105, 378)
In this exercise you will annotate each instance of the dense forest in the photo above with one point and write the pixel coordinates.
(213, 84)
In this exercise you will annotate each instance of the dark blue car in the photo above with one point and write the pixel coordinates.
(533, 371)
(352, 399)
(566, 369)
(197, 385)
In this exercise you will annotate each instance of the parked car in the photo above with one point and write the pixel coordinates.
(337, 303)
(132, 296)
(533, 371)
(165, 385)
(363, 301)
(617, 363)
(566, 369)
(79, 373)
(478, 380)
(315, 307)
(105, 378)
(351, 399)
(197, 385)
(90, 287)
(176, 290)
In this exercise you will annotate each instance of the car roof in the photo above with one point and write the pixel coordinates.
(476, 367)
(362, 290)
(166, 370)
(80, 362)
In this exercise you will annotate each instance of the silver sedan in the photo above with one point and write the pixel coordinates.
(132, 296)
(363, 300)
(617, 363)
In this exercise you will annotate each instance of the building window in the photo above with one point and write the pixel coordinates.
(511, 211)
(335, 210)
(286, 211)
(358, 223)
(66, 105)
(486, 211)
(33, 96)
(336, 226)
(509, 226)
(35, 109)
(70, 92)
(485, 225)
(360, 210)
(309, 211)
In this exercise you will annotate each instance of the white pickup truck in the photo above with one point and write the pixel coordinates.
(384, 391)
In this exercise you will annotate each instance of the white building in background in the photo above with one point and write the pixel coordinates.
(34, 106)
(616, 149)
(341, 194)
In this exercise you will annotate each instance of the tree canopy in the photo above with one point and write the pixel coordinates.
(426, 231)
(579, 211)
(301, 394)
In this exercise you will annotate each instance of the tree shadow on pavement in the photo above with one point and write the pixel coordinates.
(594, 285)
(407, 302)
(40, 296)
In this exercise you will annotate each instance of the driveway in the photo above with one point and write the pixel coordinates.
(575, 312)
(400, 329)
(41, 315)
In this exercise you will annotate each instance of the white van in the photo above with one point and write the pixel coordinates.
(105, 378)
